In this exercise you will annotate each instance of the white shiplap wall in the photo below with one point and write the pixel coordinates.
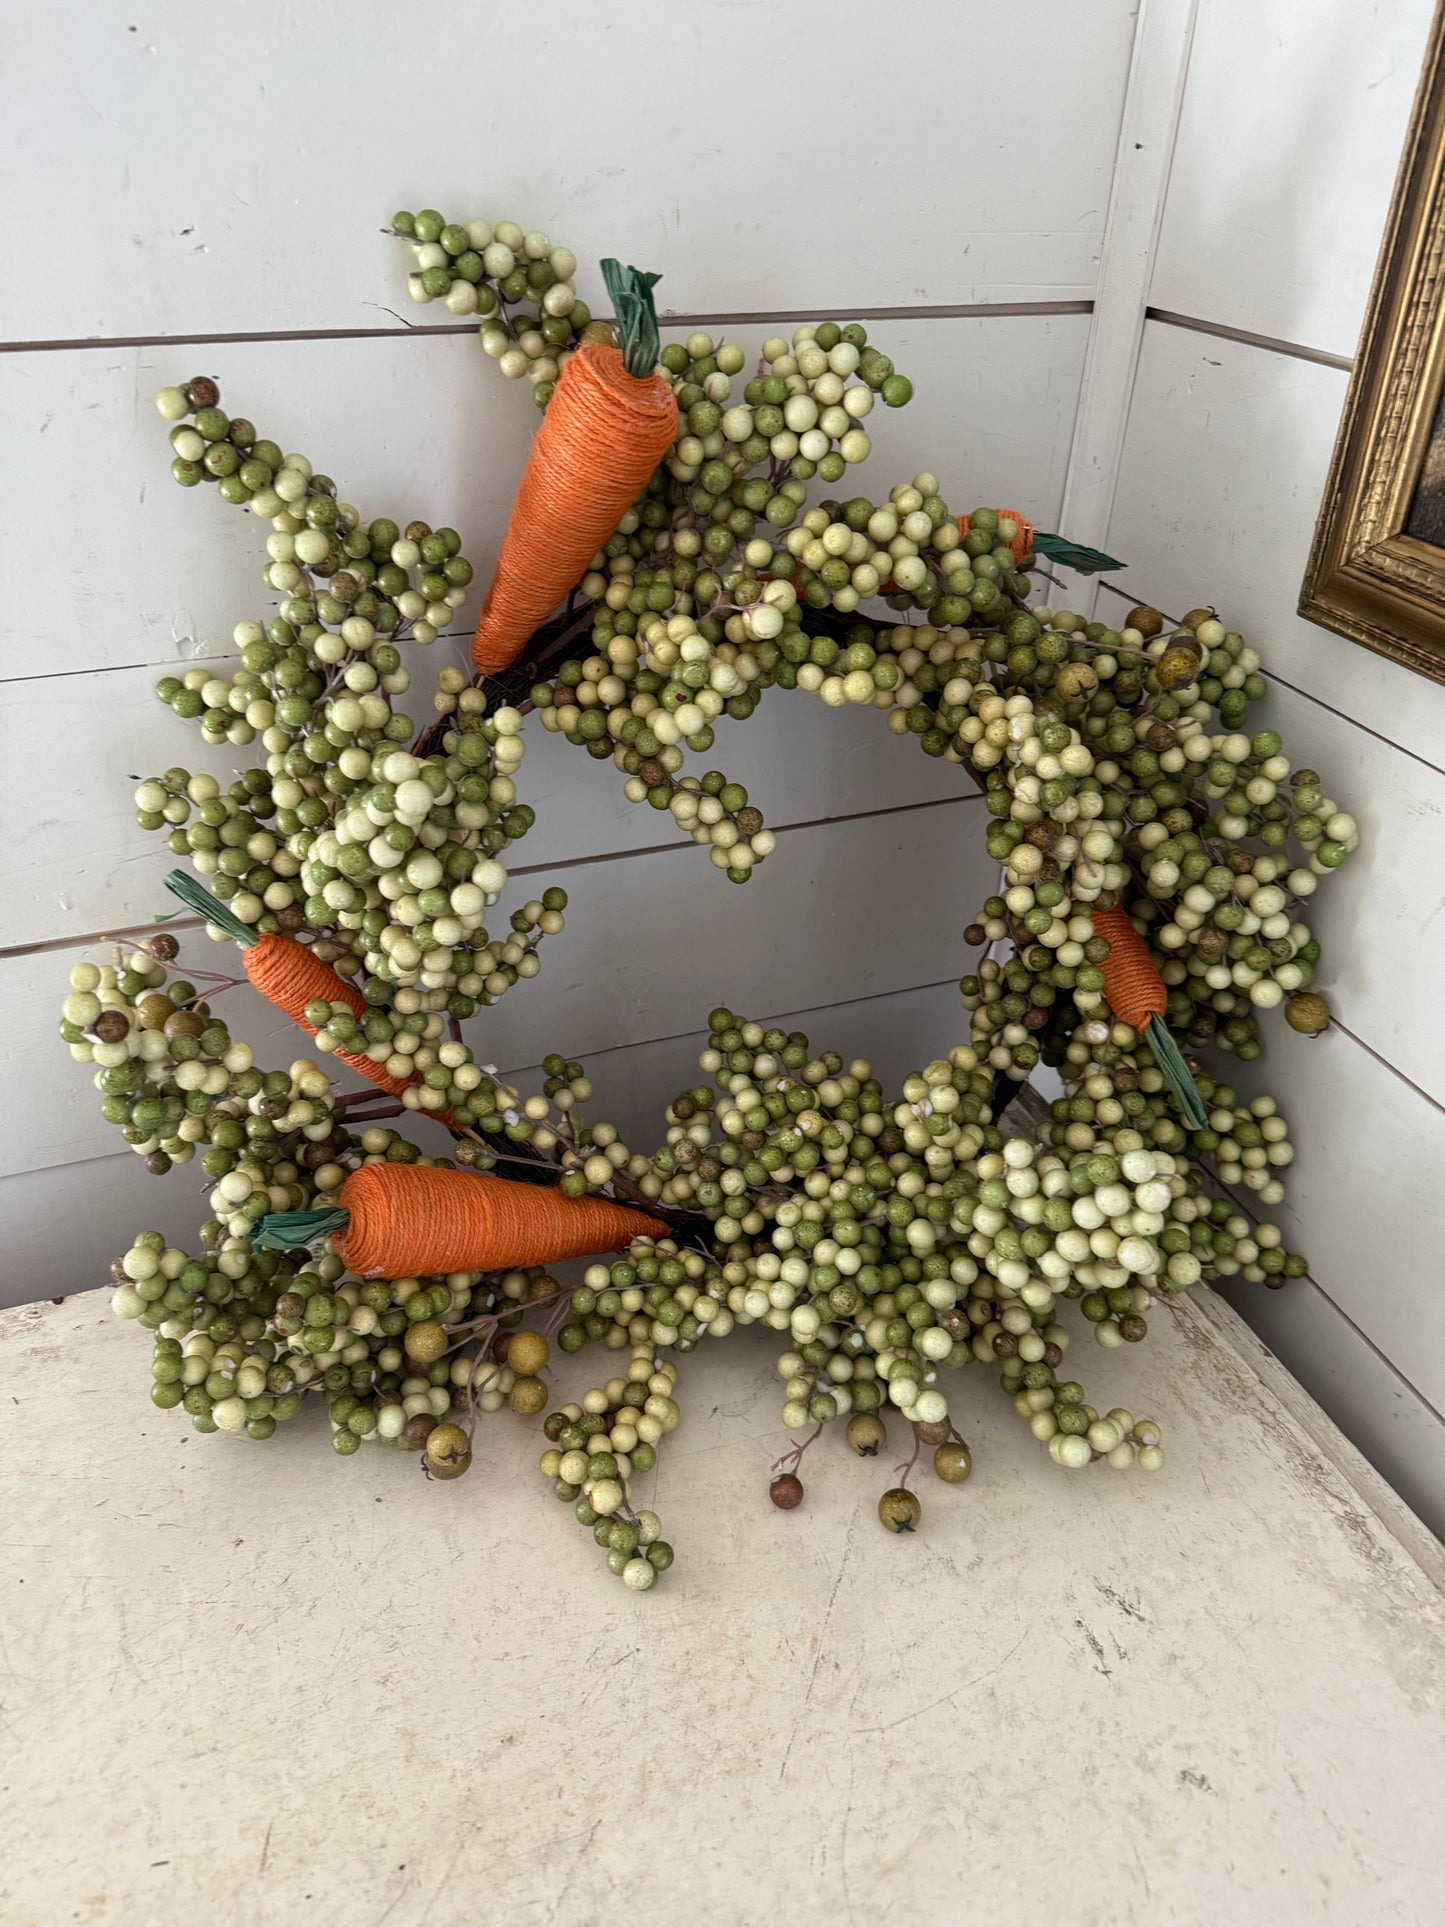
(1285, 152)
(228, 173)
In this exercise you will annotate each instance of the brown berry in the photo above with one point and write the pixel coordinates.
(153, 1010)
(1178, 665)
(899, 1509)
(1197, 616)
(1307, 1013)
(866, 1433)
(749, 820)
(112, 1027)
(424, 1342)
(786, 1491)
(417, 1431)
(202, 392)
(448, 1452)
(529, 1395)
(183, 1023)
(1146, 620)
(527, 1353)
(158, 1164)
(953, 1462)
(164, 947)
(932, 1431)
(1075, 680)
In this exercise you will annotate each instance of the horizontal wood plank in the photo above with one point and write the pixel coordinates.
(86, 865)
(655, 133)
(844, 910)
(73, 736)
(418, 427)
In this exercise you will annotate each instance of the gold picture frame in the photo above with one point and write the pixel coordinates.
(1377, 566)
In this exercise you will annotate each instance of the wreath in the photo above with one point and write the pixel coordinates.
(688, 540)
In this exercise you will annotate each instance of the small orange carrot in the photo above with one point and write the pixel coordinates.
(609, 423)
(1135, 993)
(1022, 542)
(408, 1220)
(290, 976)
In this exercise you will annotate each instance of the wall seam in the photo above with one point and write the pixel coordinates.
(1271, 344)
(943, 311)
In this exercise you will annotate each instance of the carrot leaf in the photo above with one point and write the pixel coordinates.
(630, 291)
(197, 898)
(295, 1230)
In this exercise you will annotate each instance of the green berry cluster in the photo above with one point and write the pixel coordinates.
(522, 287)
(358, 584)
(242, 1337)
(614, 1431)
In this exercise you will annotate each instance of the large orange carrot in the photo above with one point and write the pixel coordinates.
(408, 1220)
(609, 423)
(1135, 993)
(290, 976)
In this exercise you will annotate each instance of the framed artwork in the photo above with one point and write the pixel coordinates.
(1377, 568)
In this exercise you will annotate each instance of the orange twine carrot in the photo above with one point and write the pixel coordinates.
(1132, 986)
(603, 434)
(1135, 993)
(415, 1221)
(290, 976)
(1022, 542)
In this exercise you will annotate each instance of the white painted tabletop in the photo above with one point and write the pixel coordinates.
(255, 1683)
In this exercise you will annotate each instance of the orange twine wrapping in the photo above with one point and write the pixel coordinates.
(412, 1220)
(1133, 987)
(603, 434)
(1022, 542)
(291, 977)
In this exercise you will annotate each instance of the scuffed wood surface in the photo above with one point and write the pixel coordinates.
(251, 1679)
